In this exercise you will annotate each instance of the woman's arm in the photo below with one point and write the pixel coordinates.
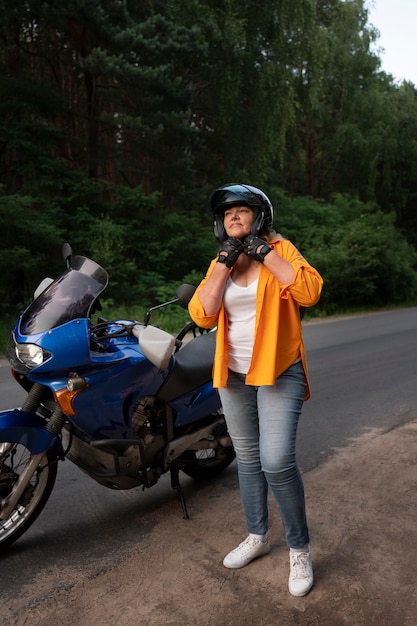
(211, 292)
(307, 283)
(279, 267)
(212, 296)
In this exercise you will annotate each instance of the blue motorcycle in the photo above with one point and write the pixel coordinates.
(125, 401)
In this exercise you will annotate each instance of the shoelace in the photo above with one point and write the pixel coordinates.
(246, 546)
(300, 565)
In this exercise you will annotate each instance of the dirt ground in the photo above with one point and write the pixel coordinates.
(362, 516)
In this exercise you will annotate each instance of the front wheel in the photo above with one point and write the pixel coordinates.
(13, 460)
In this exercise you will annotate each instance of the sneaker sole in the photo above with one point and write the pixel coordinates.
(231, 566)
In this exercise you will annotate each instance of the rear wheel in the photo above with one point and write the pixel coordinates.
(207, 463)
(13, 460)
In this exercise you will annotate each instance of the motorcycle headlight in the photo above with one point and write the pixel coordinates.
(25, 356)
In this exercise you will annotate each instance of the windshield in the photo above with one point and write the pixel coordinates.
(69, 297)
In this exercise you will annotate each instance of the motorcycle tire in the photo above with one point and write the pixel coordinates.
(206, 464)
(13, 460)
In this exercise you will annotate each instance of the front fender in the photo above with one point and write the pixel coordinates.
(28, 429)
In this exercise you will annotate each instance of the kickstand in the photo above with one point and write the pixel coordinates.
(175, 484)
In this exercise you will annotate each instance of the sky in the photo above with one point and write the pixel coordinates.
(396, 21)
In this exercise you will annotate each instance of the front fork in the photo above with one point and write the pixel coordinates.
(57, 419)
(34, 398)
(9, 503)
(54, 425)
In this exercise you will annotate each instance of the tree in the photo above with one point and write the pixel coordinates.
(396, 186)
(119, 117)
(105, 86)
(364, 260)
(340, 95)
(247, 97)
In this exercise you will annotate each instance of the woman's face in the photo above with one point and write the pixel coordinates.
(238, 221)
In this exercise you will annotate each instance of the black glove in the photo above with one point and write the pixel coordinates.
(230, 251)
(256, 248)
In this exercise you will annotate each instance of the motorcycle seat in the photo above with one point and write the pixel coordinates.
(193, 365)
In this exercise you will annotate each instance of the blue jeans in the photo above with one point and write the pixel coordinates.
(262, 422)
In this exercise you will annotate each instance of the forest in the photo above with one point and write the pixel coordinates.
(119, 117)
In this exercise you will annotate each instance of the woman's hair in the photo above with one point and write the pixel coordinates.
(271, 235)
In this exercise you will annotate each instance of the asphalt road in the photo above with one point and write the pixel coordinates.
(363, 372)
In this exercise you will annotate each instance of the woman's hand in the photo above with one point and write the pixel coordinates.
(256, 248)
(230, 251)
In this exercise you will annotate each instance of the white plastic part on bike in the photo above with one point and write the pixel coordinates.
(156, 344)
(42, 286)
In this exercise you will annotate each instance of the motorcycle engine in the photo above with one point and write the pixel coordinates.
(147, 420)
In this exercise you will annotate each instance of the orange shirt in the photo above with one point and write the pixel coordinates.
(278, 333)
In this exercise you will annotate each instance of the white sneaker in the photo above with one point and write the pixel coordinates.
(248, 550)
(301, 573)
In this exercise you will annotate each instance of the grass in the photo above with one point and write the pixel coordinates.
(173, 317)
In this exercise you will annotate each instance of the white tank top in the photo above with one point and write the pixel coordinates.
(240, 305)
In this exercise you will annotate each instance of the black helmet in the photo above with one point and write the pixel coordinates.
(236, 194)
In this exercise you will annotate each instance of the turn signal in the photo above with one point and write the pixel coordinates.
(65, 398)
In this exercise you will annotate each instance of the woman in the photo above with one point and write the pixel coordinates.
(253, 291)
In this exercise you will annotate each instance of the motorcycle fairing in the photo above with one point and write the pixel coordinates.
(195, 405)
(102, 409)
(60, 317)
(28, 429)
(56, 341)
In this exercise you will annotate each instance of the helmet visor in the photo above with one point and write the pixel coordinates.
(234, 195)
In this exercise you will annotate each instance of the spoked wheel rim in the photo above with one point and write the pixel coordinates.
(13, 460)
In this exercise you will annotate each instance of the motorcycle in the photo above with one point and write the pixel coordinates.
(124, 400)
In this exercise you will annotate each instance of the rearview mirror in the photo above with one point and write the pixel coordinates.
(184, 294)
